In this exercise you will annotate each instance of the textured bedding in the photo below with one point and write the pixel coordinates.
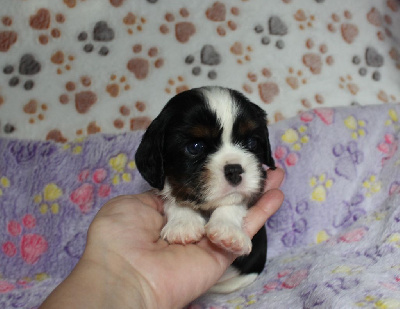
(81, 79)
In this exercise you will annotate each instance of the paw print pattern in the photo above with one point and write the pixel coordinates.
(285, 158)
(32, 107)
(296, 137)
(140, 66)
(357, 127)
(348, 30)
(286, 279)
(208, 57)
(303, 20)
(122, 168)
(32, 246)
(7, 37)
(395, 56)
(388, 147)
(276, 27)
(295, 78)
(92, 186)
(393, 119)
(133, 22)
(48, 199)
(176, 86)
(242, 53)
(136, 123)
(267, 90)
(314, 61)
(116, 85)
(349, 156)
(320, 185)
(101, 33)
(352, 212)
(4, 184)
(372, 186)
(184, 30)
(28, 66)
(84, 99)
(376, 19)
(373, 60)
(217, 13)
(62, 61)
(41, 21)
(347, 83)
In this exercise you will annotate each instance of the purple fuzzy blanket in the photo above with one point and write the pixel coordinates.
(334, 243)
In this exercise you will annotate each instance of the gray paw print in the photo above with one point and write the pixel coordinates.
(101, 33)
(208, 57)
(276, 27)
(373, 60)
(28, 66)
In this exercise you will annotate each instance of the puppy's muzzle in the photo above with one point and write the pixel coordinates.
(233, 173)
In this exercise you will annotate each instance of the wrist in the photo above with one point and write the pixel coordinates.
(103, 282)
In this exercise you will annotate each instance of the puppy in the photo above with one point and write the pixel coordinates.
(206, 152)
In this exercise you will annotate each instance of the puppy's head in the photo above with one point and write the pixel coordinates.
(207, 148)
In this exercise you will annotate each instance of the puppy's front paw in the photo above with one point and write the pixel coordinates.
(229, 237)
(177, 231)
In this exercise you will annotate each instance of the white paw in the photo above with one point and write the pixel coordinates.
(184, 232)
(229, 237)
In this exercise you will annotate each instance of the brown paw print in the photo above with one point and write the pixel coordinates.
(41, 21)
(304, 21)
(133, 23)
(55, 135)
(184, 30)
(217, 13)
(276, 28)
(32, 108)
(267, 90)
(7, 37)
(116, 85)
(314, 61)
(373, 59)
(318, 98)
(101, 34)
(136, 122)
(140, 65)
(395, 56)
(348, 30)
(241, 52)
(176, 86)
(62, 61)
(209, 57)
(295, 78)
(386, 98)
(382, 22)
(91, 128)
(72, 3)
(28, 66)
(346, 83)
(83, 99)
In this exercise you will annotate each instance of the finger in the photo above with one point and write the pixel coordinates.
(268, 204)
(274, 179)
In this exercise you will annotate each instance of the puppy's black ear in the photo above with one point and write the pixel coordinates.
(149, 156)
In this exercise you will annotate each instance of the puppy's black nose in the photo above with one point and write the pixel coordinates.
(233, 173)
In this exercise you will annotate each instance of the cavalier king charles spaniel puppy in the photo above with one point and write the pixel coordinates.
(207, 153)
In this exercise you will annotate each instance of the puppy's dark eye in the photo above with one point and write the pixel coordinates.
(251, 143)
(195, 148)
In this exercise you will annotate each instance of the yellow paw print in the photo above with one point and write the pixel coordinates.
(322, 236)
(394, 239)
(48, 200)
(320, 185)
(356, 126)
(119, 164)
(75, 146)
(372, 185)
(296, 137)
(393, 119)
(4, 184)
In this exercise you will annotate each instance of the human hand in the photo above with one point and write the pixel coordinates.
(130, 265)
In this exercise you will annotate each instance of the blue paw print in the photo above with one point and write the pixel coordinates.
(349, 157)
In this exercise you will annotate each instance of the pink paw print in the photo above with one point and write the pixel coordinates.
(284, 157)
(388, 147)
(84, 196)
(32, 246)
(286, 279)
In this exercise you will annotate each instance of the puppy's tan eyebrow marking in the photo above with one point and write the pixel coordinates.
(202, 131)
(246, 126)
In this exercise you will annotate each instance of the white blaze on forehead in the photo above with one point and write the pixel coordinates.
(220, 101)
